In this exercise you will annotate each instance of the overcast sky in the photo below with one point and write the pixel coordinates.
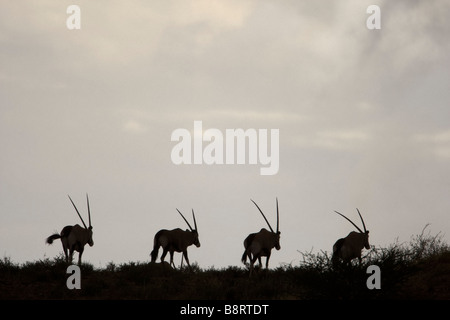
(363, 118)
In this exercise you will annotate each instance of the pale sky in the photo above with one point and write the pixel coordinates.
(363, 118)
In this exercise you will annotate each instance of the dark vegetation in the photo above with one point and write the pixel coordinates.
(419, 269)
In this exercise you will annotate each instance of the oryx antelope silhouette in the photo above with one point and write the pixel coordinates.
(350, 247)
(175, 240)
(74, 238)
(260, 244)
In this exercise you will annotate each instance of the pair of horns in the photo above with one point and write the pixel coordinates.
(278, 216)
(89, 211)
(362, 220)
(193, 215)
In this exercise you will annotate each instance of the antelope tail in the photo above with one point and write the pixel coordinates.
(50, 239)
(336, 249)
(154, 253)
(156, 245)
(244, 257)
(338, 245)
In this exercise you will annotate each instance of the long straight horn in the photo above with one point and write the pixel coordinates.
(362, 220)
(278, 218)
(89, 210)
(262, 215)
(195, 222)
(84, 224)
(185, 220)
(349, 220)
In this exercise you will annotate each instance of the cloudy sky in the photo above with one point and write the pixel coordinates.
(363, 117)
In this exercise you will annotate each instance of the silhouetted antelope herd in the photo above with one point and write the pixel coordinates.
(256, 245)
